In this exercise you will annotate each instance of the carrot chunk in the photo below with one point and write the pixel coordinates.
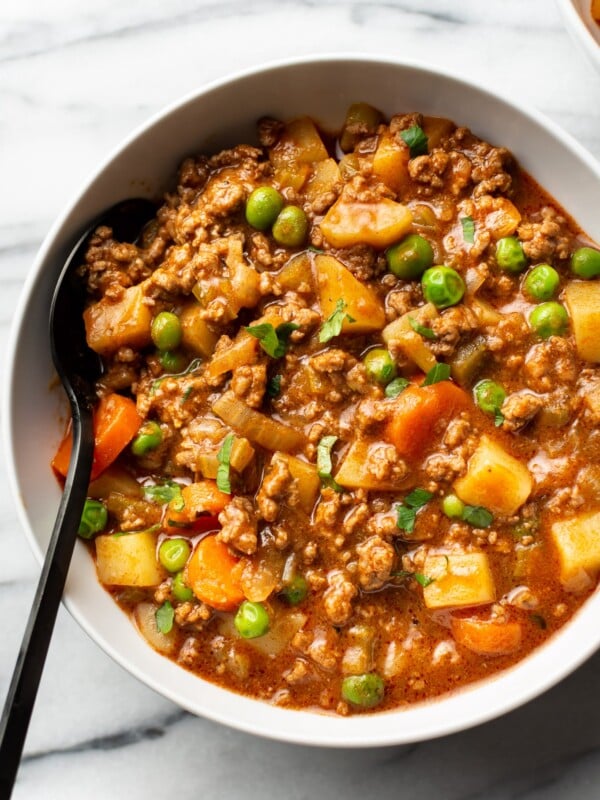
(418, 409)
(211, 575)
(116, 422)
(487, 637)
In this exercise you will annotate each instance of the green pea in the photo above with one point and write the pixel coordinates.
(262, 207)
(148, 438)
(172, 361)
(295, 591)
(181, 591)
(93, 518)
(442, 286)
(489, 396)
(166, 330)
(174, 553)
(251, 620)
(409, 258)
(290, 227)
(549, 319)
(453, 506)
(541, 283)
(585, 262)
(510, 255)
(365, 691)
(380, 365)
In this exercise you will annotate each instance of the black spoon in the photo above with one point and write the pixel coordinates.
(78, 368)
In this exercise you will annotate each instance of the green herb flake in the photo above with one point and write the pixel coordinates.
(422, 330)
(407, 510)
(468, 227)
(395, 387)
(538, 620)
(165, 493)
(441, 372)
(416, 140)
(477, 516)
(498, 417)
(223, 457)
(324, 465)
(164, 617)
(185, 396)
(333, 324)
(274, 341)
(274, 386)
(423, 580)
(314, 249)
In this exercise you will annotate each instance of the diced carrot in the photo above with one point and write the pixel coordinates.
(417, 410)
(198, 502)
(116, 422)
(211, 575)
(487, 637)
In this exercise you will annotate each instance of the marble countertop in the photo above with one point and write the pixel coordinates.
(75, 77)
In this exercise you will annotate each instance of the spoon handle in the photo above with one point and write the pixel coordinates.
(36, 639)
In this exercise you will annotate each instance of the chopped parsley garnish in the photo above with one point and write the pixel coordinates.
(164, 617)
(441, 372)
(416, 140)
(324, 466)
(333, 324)
(498, 417)
(274, 341)
(477, 516)
(538, 620)
(468, 227)
(191, 367)
(407, 510)
(422, 330)
(274, 386)
(314, 249)
(165, 493)
(423, 580)
(396, 386)
(223, 457)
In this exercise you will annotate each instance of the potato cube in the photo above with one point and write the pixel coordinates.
(494, 479)
(126, 323)
(458, 580)
(128, 559)
(198, 336)
(335, 282)
(379, 224)
(358, 469)
(390, 162)
(583, 302)
(307, 480)
(577, 541)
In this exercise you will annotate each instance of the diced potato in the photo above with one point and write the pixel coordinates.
(283, 629)
(358, 656)
(261, 575)
(244, 284)
(335, 282)
(494, 479)
(326, 176)
(501, 219)
(299, 146)
(257, 427)
(468, 361)
(309, 483)
(128, 559)
(145, 617)
(577, 541)
(379, 224)
(197, 335)
(459, 580)
(394, 660)
(390, 161)
(424, 216)
(485, 313)
(114, 479)
(296, 274)
(126, 323)
(436, 128)
(583, 302)
(354, 472)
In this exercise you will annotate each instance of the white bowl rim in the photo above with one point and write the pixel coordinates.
(329, 731)
(579, 30)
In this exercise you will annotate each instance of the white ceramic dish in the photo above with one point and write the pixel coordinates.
(223, 114)
(582, 27)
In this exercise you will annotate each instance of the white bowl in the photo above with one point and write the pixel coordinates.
(223, 114)
(584, 30)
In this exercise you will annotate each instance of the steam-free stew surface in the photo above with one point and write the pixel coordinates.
(348, 453)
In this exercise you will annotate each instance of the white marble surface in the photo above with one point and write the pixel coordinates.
(75, 77)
